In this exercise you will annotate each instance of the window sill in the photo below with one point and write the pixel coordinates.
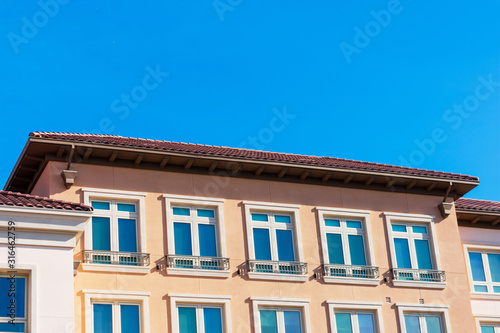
(115, 268)
(350, 280)
(279, 277)
(198, 272)
(419, 284)
(484, 296)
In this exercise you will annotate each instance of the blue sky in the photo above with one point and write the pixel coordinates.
(410, 83)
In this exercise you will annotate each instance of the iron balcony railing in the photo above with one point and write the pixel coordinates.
(426, 275)
(280, 267)
(367, 272)
(115, 258)
(194, 262)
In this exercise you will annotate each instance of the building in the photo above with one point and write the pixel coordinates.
(193, 238)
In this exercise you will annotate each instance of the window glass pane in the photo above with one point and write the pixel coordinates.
(213, 320)
(127, 235)
(282, 219)
(122, 207)
(423, 254)
(487, 329)
(206, 213)
(480, 289)
(187, 320)
(496, 289)
(182, 238)
(494, 261)
(100, 205)
(7, 327)
(419, 230)
(181, 211)
(357, 250)
(129, 317)
(335, 253)
(365, 322)
(103, 318)
(268, 323)
(398, 228)
(292, 322)
(433, 324)
(354, 224)
(285, 245)
(332, 223)
(208, 246)
(19, 298)
(476, 266)
(259, 217)
(412, 324)
(402, 253)
(343, 322)
(101, 239)
(261, 244)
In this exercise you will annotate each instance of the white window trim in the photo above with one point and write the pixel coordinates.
(479, 248)
(280, 208)
(375, 307)
(32, 292)
(194, 299)
(295, 303)
(217, 204)
(363, 215)
(391, 218)
(440, 309)
(495, 320)
(90, 194)
(92, 295)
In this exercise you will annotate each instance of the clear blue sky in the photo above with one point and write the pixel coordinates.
(410, 83)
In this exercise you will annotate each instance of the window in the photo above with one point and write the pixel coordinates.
(196, 243)
(116, 311)
(484, 267)
(13, 303)
(490, 328)
(413, 251)
(346, 245)
(420, 318)
(355, 317)
(116, 317)
(200, 313)
(280, 315)
(274, 241)
(116, 234)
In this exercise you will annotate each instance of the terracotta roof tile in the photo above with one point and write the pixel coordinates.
(15, 199)
(114, 140)
(478, 205)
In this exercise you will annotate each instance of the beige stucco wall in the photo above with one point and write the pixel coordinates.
(234, 191)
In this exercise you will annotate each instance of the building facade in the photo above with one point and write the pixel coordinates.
(189, 238)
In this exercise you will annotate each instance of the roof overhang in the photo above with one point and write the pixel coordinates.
(478, 218)
(39, 151)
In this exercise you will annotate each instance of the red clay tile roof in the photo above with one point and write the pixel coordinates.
(14, 199)
(115, 140)
(478, 205)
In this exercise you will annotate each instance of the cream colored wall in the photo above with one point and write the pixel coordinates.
(234, 191)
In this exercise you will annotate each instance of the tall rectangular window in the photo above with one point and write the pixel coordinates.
(200, 318)
(273, 236)
(114, 226)
(280, 320)
(195, 231)
(355, 322)
(485, 270)
(412, 246)
(13, 303)
(116, 317)
(345, 240)
(423, 323)
(490, 328)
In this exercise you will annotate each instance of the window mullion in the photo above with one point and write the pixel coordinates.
(487, 272)
(200, 320)
(195, 237)
(273, 239)
(116, 318)
(113, 221)
(413, 251)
